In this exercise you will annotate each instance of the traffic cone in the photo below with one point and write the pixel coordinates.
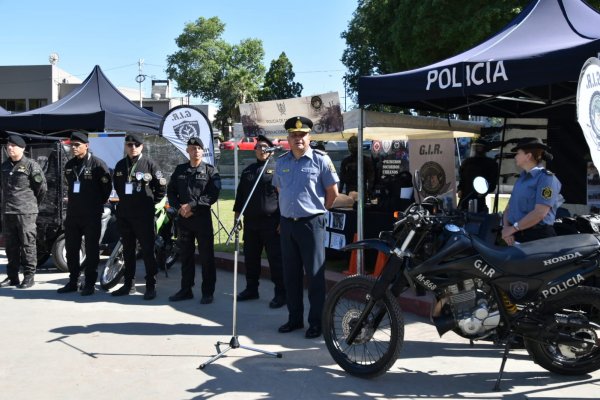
(352, 264)
(382, 258)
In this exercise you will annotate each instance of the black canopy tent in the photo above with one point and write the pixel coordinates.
(95, 106)
(528, 69)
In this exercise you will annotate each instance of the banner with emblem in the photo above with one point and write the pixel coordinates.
(434, 159)
(588, 106)
(183, 122)
(268, 117)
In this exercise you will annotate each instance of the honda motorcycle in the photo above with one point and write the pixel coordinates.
(535, 291)
(165, 247)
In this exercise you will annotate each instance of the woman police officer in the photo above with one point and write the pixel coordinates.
(531, 210)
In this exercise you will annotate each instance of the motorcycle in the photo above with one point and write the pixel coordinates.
(165, 247)
(535, 291)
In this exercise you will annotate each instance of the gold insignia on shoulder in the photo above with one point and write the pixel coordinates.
(547, 192)
(298, 124)
(104, 179)
(331, 167)
(268, 171)
(119, 173)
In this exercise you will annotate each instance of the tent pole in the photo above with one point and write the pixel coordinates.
(497, 195)
(361, 195)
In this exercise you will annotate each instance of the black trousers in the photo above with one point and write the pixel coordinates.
(262, 233)
(20, 233)
(86, 227)
(191, 230)
(142, 230)
(534, 233)
(304, 252)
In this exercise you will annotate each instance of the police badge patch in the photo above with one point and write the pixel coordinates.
(147, 177)
(104, 179)
(518, 289)
(547, 192)
(162, 181)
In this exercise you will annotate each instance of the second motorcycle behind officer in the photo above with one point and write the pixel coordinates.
(140, 184)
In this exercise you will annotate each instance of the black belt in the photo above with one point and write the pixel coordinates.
(302, 218)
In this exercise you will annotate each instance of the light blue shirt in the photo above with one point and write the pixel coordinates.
(538, 186)
(302, 183)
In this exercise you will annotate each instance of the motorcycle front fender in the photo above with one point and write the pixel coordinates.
(375, 244)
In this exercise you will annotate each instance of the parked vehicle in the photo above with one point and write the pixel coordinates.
(534, 291)
(165, 248)
(248, 143)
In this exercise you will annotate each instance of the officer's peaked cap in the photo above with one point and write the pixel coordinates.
(263, 138)
(529, 143)
(298, 124)
(195, 141)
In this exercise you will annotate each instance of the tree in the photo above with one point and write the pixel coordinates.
(207, 66)
(279, 81)
(386, 36)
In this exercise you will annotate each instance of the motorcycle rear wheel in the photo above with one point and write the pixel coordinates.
(571, 359)
(114, 269)
(376, 348)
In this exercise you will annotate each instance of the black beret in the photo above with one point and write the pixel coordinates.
(17, 140)
(298, 124)
(134, 137)
(79, 137)
(529, 143)
(262, 138)
(195, 141)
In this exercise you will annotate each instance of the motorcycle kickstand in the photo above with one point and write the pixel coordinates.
(504, 358)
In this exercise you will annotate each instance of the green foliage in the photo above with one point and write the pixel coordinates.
(208, 67)
(386, 36)
(279, 81)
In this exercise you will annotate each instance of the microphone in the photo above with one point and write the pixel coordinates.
(271, 149)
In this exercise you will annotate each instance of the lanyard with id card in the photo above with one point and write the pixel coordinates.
(77, 183)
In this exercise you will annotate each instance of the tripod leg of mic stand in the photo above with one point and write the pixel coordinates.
(269, 353)
(216, 357)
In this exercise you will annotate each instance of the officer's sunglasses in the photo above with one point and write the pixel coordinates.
(131, 144)
(76, 144)
(260, 147)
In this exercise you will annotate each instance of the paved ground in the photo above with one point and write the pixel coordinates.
(70, 347)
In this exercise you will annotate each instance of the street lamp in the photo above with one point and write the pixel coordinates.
(229, 128)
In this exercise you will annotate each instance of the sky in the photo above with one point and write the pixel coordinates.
(116, 34)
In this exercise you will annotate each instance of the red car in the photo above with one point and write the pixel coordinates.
(248, 143)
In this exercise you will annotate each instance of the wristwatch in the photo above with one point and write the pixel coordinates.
(516, 226)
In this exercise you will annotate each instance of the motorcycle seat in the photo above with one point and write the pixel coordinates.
(531, 258)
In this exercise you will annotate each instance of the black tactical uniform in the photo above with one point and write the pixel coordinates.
(140, 185)
(199, 187)
(89, 186)
(23, 187)
(261, 222)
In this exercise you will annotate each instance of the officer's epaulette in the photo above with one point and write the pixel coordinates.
(548, 172)
(284, 154)
(321, 152)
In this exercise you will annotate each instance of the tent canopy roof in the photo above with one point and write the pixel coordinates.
(528, 69)
(95, 106)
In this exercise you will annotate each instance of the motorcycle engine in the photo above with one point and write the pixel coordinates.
(469, 303)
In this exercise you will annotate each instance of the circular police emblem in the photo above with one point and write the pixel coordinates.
(147, 177)
(434, 177)
(518, 289)
(547, 192)
(162, 181)
(139, 175)
(316, 102)
(595, 113)
(37, 178)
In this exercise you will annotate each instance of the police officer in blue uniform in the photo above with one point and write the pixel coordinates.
(140, 184)
(194, 186)
(23, 188)
(531, 210)
(307, 183)
(89, 186)
(261, 224)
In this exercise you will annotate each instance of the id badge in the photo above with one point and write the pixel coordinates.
(128, 188)
(76, 186)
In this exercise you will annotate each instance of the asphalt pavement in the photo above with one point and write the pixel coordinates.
(72, 347)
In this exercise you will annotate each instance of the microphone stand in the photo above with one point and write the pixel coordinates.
(235, 231)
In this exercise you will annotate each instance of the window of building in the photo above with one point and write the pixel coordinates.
(37, 103)
(13, 105)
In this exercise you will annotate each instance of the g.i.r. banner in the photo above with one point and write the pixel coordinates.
(268, 117)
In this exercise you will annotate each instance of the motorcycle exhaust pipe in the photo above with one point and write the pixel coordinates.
(444, 323)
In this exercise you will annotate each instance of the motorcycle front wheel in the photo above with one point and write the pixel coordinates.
(380, 340)
(114, 269)
(581, 354)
